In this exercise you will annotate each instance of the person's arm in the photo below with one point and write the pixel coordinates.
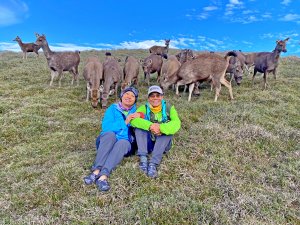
(141, 123)
(110, 122)
(173, 125)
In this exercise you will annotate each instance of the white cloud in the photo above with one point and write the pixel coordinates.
(202, 16)
(232, 5)
(285, 2)
(267, 15)
(12, 12)
(290, 17)
(210, 8)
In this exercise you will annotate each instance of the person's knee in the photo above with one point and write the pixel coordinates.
(111, 136)
(123, 145)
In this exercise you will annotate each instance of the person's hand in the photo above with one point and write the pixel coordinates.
(132, 116)
(155, 129)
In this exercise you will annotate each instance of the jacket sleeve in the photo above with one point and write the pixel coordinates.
(110, 122)
(173, 125)
(140, 122)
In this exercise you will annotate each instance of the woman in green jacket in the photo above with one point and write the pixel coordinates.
(154, 132)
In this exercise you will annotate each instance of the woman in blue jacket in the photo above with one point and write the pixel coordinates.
(115, 139)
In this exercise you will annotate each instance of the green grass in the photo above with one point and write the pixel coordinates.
(234, 162)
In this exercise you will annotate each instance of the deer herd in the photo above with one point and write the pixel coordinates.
(184, 68)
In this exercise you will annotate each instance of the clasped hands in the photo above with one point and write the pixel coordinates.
(155, 129)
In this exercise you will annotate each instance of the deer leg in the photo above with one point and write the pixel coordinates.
(116, 90)
(75, 76)
(254, 73)
(228, 85)
(265, 80)
(158, 77)
(53, 75)
(61, 74)
(218, 89)
(87, 91)
(196, 90)
(274, 73)
(191, 88)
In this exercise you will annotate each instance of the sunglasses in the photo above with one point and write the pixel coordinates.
(154, 95)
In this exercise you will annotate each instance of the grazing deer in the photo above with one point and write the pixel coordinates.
(27, 47)
(266, 62)
(59, 61)
(93, 74)
(160, 50)
(130, 72)
(112, 74)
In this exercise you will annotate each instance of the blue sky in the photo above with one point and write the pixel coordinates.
(216, 25)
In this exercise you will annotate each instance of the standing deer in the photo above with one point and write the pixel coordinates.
(266, 62)
(59, 61)
(27, 47)
(160, 50)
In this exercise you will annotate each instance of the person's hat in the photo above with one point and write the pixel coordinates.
(133, 90)
(155, 88)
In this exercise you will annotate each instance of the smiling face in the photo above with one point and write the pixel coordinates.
(128, 99)
(155, 99)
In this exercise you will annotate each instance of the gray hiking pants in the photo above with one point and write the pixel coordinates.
(158, 147)
(110, 152)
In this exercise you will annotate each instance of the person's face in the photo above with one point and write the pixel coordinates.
(155, 99)
(128, 99)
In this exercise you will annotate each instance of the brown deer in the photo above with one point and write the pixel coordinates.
(27, 47)
(266, 62)
(59, 61)
(112, 74)
(160, 50)
(130, 72)
(93, 74)
(204, 67)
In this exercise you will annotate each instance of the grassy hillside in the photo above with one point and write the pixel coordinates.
(234, 162)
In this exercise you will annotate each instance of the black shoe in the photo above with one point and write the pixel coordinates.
(90, 179)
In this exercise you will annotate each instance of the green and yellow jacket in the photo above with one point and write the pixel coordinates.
(167, 118)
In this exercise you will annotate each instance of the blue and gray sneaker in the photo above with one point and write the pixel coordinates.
(103, 185)
(152, 171)
(90, 179)
(143, 164)
(144, 167)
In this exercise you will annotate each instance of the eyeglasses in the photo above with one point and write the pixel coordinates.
(154, 95)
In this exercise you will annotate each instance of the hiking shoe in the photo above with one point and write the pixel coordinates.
(90, 179)
(143, 167)
(103, 185)
(152, 171)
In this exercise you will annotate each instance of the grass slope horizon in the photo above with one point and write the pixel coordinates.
(233, 162)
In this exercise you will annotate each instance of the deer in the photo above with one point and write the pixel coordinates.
(112, 74)
(27, 47)
(266, 62)
(58, 62)
(130, 72)
(93, 74)
(160, 50)
(205, 66)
